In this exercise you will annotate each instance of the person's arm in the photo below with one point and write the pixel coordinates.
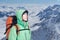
(12, 34)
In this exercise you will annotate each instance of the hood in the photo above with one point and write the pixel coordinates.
(19, 18)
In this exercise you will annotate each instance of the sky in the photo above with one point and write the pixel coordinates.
(30, 2)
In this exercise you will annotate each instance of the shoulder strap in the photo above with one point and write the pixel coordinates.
(8, 29)
(17, 28)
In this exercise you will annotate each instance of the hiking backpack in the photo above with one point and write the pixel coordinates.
(11, 21)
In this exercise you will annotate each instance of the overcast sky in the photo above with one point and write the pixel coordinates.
(30, 1)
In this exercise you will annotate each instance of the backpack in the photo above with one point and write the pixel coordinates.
(11, 21)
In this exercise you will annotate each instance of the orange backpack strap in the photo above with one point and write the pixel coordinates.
(8, 29)
(17, 28)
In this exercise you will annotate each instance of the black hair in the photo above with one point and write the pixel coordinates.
(25, 12)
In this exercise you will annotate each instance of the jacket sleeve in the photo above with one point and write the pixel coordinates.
(12, 34)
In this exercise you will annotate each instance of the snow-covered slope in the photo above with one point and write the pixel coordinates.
(45, 24)
(50, 25)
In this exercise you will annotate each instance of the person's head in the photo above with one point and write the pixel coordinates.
(22, 17)
(25, 16)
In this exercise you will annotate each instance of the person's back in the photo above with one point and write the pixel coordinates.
(24, 32)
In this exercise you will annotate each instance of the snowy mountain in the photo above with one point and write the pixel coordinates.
(49, 25)
(45, 24)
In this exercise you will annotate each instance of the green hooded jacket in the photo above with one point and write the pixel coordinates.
(22, 35)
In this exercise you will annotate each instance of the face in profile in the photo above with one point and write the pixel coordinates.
(25, 17)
